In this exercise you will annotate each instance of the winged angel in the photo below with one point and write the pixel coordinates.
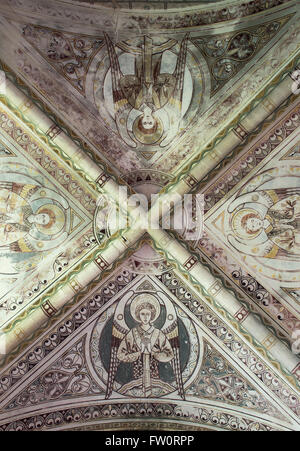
(266, 223)
(144, 346)
(156, 97)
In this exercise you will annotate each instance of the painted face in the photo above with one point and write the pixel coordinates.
(254, 224)
(148, 121)
(145, 316)
(42, 219)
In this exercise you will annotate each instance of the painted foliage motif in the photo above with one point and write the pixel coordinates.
(69, 53)
(70, 376)
(226, 54)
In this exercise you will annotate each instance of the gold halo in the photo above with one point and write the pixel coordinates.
(237, 227)
(145, 298)
(145, 138)
(57, 224)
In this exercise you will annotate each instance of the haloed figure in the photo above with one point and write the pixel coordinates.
(145, 346)
(29, 221)
(148, 92)
(267, 223)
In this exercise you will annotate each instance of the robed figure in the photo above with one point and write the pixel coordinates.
(148, 92)
(33, 220)
(145, 346)
(266, 223)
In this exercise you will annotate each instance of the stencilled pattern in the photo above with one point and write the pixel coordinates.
(108, 327)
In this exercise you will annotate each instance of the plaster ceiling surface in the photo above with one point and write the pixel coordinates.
(113, 315)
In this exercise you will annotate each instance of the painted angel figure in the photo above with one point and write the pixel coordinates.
(266, 223)
(33, 220)
(148, 92)
(145, 346)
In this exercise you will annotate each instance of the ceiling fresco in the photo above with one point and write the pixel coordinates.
(117, 313)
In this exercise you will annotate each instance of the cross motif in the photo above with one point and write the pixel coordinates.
(102, 179)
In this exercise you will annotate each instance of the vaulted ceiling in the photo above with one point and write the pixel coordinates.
(110, 114)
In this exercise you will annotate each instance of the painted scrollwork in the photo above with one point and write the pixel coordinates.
(68, 377)
(218, 380)
(69, 53)
(227, 54)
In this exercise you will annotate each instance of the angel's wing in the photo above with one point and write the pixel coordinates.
(121, 105)
(174, 105)
(118, 333)
(172, 333)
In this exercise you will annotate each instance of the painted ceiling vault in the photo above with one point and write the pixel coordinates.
(146, 325)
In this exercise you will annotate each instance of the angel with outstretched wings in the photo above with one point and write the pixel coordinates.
(148, 92)
(144, 346)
